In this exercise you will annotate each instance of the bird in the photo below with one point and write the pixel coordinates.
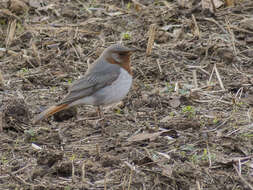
(106, 81)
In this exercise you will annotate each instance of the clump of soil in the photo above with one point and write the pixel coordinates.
(65, 114)
(16, 115)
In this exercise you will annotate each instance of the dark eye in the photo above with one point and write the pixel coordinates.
(121, 54)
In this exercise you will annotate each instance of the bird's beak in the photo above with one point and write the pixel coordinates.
(133, 49)
(130, 50)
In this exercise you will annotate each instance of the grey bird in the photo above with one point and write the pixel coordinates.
(106, 81)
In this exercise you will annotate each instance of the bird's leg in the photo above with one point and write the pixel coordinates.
(101, 118)
(100, 112)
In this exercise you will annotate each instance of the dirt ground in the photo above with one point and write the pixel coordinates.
(186, 123)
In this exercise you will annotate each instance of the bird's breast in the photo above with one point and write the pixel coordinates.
(116, 91)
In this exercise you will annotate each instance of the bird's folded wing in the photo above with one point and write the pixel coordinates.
(89, 84)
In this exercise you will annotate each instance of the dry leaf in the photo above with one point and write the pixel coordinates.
(218, 3)
(178, 34)
(175, 102)
(1, 80)
(166, 119)
(36, 3)
(185, 3)
(166, 170)
(7, 13)
(114, 13)
(138, 6)
(195, 27)
(18, 6)
(226, 54)
(11, 32)
(230, 2)
(247, 23)
(211, 4)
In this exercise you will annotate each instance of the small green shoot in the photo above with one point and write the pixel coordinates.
(30, 132)
(170, 87)
(118, 111)
(215, 121)
(67, 188)
(4, 160)
(24, 70)
(129, 5)
(189, 111)
(69, 81)
(126, 36)
(73, 157)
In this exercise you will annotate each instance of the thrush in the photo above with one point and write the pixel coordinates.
(107, 81)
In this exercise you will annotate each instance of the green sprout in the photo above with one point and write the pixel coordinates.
(73, 157)
(118, 111)
(215, 121)
(24, 70)
(128, 6)
(69, 81)
(31, 135)
(189, 111)
(30, 132)
(170, 87)
(126, 36)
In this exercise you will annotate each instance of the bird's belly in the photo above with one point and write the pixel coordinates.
(114, 92)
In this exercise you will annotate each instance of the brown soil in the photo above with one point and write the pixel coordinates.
(168, 133)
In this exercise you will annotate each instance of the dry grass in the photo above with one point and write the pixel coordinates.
(186, 124)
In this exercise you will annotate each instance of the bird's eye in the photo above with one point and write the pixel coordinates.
(121, 54)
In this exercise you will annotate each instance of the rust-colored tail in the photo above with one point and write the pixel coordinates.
(50, 111)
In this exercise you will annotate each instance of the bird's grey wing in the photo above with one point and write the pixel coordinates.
(89, 84)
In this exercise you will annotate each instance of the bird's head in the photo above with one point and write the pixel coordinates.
(118, 54)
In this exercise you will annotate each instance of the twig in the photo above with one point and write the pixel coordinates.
(209, 154)
(196, 31)
(232, 36)
(105, 187)
(1, 80)
(1, 121)
(73, 170)
(198, 185)
(241, 29)
(11, 32)
(159, 66)
(215, 22)
(129, 165)
(59, 29)
(138, 3)
(202, 87)
(130, 179)
(195, 82)
(239, 91)
(176, 89)
(83, 172)
(124, 183)
(211, 76)
(151, 38)
(213, 5)
(98, 150)
(201, 68)
(242, 178)
(219, 78)
(36, 53)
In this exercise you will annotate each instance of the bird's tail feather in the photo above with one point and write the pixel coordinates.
(50, 111)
